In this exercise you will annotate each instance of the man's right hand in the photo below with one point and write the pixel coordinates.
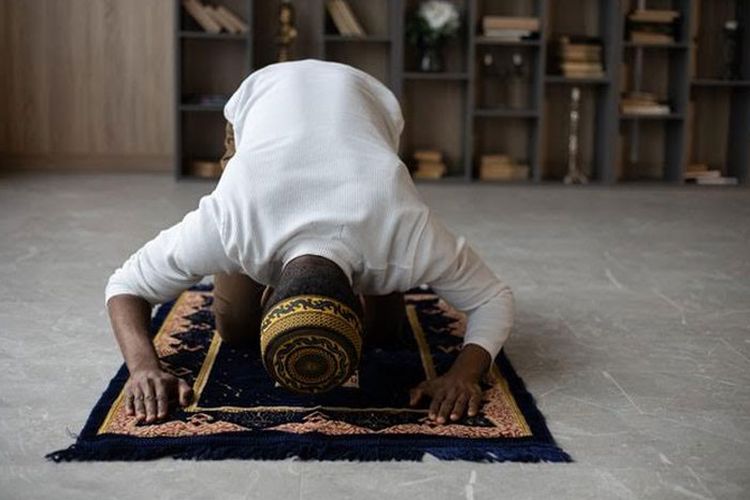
(150, 393)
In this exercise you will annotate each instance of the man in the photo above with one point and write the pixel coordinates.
(314, 210)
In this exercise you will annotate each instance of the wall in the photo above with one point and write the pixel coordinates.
(86, 84)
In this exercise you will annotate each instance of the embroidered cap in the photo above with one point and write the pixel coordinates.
(310, 343)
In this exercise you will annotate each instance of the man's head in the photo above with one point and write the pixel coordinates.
(311, 333)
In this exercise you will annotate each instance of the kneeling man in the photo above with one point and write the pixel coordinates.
(312, 233)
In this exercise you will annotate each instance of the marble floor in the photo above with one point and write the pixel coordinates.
(633, 332)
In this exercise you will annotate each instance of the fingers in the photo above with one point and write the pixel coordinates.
(140, 409)
(129, 403)
(437, 399)
(459, 406)
(162, 400)
(149, 399)
(445, 408)
(475, 402)
(185, 392)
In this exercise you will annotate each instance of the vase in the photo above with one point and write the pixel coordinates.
(430, 58)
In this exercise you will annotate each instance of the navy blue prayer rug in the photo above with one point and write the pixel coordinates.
(238, 411)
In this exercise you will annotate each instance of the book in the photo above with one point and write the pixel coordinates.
(428, 155)
(507, 34)
(653, 16)
(347, 18)
(219, 19)
(239, 24)
(530, 24)
(337, 17)
(648, 37)
(716, 181)
(201, 16)
(430, 170)
(697, 174)
(645, 109)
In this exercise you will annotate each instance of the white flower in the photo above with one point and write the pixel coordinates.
(440, 15)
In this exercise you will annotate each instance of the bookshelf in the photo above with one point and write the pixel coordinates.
(708, 121)
(206, 64)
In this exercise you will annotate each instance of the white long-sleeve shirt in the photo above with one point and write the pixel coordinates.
(316, 171)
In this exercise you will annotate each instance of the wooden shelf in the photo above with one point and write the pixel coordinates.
(201, 107)
(416, 75)
(506, 113)
(444, 113)
(488, 40)
(565, 80)
(212, 36)
(670, 116)
(357, 39)
(711, 82)
(641, 45)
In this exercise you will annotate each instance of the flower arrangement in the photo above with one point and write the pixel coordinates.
(433, 22)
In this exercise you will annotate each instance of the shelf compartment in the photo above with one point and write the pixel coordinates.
(670, 116)
(357, 39)
(668, 46)
(488, 40)
(505, 113)
(201, 107)
(213, 36)
(416, 75)
(566, 80)
(713, 82)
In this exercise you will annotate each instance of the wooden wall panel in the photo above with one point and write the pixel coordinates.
(86, 84)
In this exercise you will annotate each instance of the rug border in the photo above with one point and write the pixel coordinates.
(276, 445)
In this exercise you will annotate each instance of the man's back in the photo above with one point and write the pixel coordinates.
(317, 171)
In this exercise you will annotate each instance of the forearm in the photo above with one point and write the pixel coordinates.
(130, 317)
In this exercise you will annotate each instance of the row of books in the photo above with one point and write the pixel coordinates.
(214, 19)
(579, 57)
(344, 19)
(703, 175)
(509, 28)
(429, 164)
(500, 167)
(643, 103)
(652, 26)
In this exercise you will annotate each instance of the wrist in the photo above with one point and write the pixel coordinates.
(472, 363)
(146, 364)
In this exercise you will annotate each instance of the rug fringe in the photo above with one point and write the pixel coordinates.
(328, 452)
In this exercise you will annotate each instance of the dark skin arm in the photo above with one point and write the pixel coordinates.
(150, 391)
(457, 391)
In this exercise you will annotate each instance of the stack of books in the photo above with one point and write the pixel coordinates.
(499, 167)
(344, 19)
(510, 29)
(643, 103)
(701, 174)
(430, 164)
(579, 57)
(652, 26)
(214, 19)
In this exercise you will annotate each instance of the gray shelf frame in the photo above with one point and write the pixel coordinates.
(608, 119)
(180, 107)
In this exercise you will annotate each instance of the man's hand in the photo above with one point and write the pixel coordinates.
(451, 395)
(151, 392)
(458, 390)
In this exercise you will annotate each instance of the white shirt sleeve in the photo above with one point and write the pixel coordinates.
(458, 275)
(175, 259)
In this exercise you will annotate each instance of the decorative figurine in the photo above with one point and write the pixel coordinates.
(575, 175)
(287, 31)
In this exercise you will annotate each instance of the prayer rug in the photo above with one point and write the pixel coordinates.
(238, 411)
